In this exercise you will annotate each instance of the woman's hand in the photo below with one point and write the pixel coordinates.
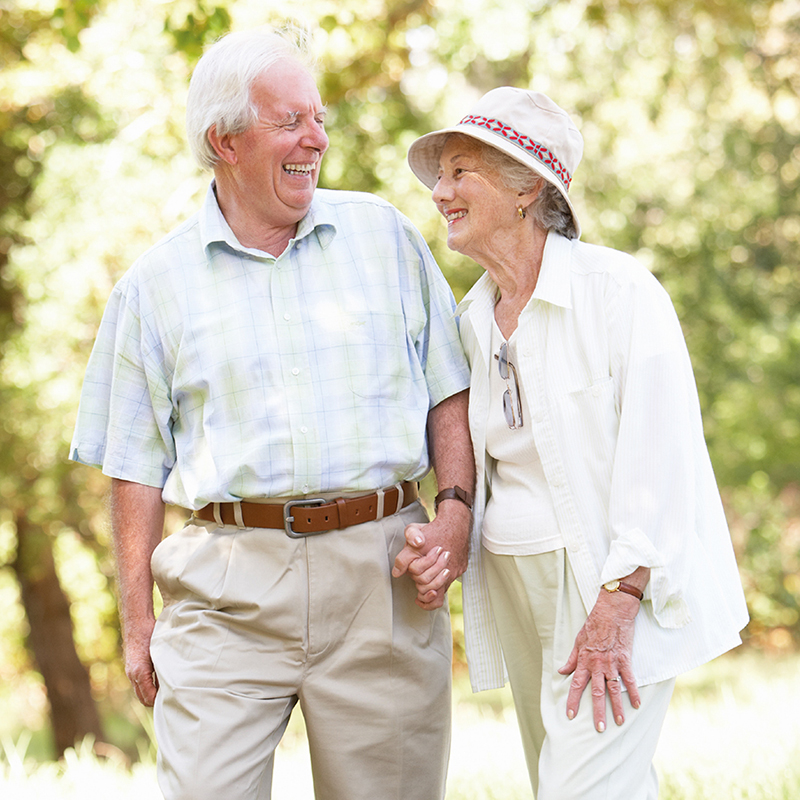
(602, 655)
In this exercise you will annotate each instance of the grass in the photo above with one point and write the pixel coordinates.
(732, 733)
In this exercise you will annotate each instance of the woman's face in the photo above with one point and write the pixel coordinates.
(481, 211)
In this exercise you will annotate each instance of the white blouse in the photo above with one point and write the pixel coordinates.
(616, 422)
(520, 519)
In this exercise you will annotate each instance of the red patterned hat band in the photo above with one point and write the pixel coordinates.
(525, 143)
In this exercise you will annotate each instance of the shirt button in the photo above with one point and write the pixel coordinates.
(303, 429)
(295, 371)
(287, 317)
(305, 489)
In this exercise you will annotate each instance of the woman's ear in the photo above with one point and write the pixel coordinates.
(524, 199)
(223, 146)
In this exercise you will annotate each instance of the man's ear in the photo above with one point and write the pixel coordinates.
(223, 146)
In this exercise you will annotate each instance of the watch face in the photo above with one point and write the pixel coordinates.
(611, 586)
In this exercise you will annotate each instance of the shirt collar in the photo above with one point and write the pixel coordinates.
(552, 286)
(214, 227)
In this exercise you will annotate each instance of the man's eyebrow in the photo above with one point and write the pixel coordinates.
(292, 116)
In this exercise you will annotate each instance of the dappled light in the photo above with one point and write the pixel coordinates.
(690, 113)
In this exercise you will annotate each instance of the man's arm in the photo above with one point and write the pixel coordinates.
(137, 522)
(436, 554)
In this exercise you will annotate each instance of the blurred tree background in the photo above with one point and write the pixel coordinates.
(691, 119)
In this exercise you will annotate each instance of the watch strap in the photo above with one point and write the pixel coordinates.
(453, 493)
(621, 586)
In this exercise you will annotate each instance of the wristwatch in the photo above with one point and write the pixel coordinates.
(619, 586)
(455, 493)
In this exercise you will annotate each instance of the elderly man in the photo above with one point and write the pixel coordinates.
(286, 365)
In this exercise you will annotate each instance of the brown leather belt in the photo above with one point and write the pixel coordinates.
(309, 516)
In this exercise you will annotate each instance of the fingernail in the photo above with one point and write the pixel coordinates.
(395, 572)
(438, 550)
(417, 541)
(570, 713)
(447, 555)
(601, 726)
(620, 719)
(636, 704)
(445, 573)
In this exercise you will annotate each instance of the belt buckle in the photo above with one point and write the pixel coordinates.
(288, 519)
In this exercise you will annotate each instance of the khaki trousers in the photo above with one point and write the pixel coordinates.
(255, 622)
(538, 610)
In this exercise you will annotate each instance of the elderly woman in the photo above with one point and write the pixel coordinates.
(600, 555)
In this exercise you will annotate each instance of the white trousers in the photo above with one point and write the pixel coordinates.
(538, 610)
(255, 621)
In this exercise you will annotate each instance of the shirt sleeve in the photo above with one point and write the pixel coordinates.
(653, 488)
(124, 417)
(437, 343)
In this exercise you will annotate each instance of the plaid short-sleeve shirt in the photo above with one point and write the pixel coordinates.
(221, 372)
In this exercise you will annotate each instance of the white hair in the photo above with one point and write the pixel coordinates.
(219, 92)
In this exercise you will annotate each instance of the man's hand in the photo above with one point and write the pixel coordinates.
(602, 655)
(138, 664)
(436, 554)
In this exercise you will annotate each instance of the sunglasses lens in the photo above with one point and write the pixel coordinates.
(508, 410)
(502, 361)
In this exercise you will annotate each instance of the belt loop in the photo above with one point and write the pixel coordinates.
(218, 515)
(237, 514)
(380, 493)
(399, 498)
(341, 507)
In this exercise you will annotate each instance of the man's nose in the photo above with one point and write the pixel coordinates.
(317, 139)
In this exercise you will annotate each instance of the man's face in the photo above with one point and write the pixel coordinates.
(279, 156)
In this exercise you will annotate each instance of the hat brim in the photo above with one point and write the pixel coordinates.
(425, 153)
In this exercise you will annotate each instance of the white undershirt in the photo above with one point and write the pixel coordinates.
(520, 518)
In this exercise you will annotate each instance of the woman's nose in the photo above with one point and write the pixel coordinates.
(442, 190)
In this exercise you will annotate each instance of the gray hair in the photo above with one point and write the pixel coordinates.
(219, 92)
(549, 210)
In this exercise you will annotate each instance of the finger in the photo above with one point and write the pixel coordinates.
(424, 571)
(403, 560)
(440, 582)
(431, 600)
(145, 686)
(629, 680)
(614, 686)
(599, 701)
(427, 563)
(414, 536)
(580, 679)
(572, 663)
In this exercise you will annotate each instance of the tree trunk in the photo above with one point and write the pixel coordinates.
(73, 712)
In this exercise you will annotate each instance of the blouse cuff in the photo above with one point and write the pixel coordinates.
(632, 550)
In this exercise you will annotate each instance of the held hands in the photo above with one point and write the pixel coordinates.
(436, 554)
(602, 656)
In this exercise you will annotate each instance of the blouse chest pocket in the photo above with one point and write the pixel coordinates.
(592, 416)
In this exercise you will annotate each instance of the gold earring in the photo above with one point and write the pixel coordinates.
(522, 212)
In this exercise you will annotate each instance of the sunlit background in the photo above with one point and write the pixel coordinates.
(691, 120)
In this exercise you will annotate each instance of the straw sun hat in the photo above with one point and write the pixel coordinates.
(528, 126)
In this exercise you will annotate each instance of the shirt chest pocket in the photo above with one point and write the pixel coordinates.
(379, 358)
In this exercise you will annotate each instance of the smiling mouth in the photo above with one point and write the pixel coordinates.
(298, 169)
(452, 216)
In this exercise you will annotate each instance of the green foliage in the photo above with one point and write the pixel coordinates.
(691, 119)
(193, 24)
